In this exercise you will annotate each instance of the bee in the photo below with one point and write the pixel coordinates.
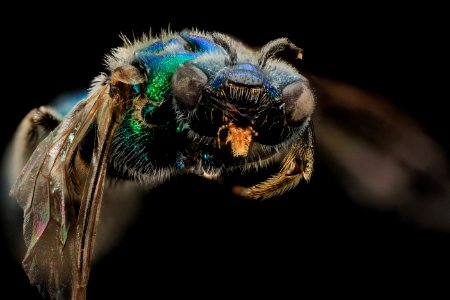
(204, 104)
(187, 102)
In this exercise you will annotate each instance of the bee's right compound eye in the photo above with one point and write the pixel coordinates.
(187, 85)
(299, 101)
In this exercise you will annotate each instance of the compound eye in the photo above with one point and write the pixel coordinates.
(299, 101)
(187, 85)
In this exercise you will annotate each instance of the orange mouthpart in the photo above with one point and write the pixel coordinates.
(239, 138)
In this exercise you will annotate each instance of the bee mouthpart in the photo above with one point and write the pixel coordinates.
(239, 138)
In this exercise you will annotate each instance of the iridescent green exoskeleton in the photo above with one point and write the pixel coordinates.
(188, 102)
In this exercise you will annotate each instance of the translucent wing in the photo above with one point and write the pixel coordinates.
(381, 155)
(93, 192)
(48, 189)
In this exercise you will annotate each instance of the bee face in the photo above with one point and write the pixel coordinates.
(241, 102)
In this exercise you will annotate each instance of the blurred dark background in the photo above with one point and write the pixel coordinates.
(192, 237)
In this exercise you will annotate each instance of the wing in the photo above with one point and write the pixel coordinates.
(59, 239)
(46, 190)
(92, 195)
(381, 156)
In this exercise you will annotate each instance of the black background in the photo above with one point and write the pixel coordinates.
(193, 238)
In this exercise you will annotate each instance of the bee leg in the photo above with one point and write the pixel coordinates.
(34, 127)
(297, 165)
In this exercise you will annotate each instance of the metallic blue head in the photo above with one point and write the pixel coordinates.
(248, 95)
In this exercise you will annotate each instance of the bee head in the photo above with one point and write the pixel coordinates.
(238, 101)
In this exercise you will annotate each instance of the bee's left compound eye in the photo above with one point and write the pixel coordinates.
(299, 101)
(187, 85)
